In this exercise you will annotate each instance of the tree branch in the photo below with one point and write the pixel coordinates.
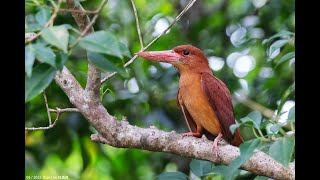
(156, 140)
(41, 128)
(78, 11)
(47, 106)
(57, 110)
(82, 20)
(122, 134)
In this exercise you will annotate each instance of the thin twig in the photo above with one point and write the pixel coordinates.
(41, 128)
(50, 22)
(53, 3)
(95, 17)
(79, 11)
(54, 15)
(58, 111)
(108, 77)
(29, 35)
(137, 22)
(188, 6)
(47, 106)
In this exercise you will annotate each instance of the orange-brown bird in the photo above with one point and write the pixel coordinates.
(205, 100)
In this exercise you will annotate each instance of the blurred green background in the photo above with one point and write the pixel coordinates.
(234, 35)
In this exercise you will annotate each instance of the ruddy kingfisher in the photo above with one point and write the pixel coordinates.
(204, 100)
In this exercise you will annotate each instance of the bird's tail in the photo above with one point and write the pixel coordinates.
(237, 139)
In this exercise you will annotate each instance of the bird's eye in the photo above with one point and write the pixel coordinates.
(185, 52)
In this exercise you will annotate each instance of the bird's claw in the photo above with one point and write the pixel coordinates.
(191, 134)
(215, 145)
(216, 149)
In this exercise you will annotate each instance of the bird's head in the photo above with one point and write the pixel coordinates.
(185, 58)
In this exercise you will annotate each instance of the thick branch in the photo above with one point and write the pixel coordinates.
(121, 134)
(152, 139)
(94, 74)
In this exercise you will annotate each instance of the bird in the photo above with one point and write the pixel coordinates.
(204, 100)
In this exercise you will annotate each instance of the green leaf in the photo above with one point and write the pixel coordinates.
(249, 121)
(31, 24)
(61, 59)
(274, 128)
(44, 54)
(282, 150)
(291, 115)
(172, 176)
(58, 36)
(247, 131)
(283, 34)
(286, 57)
(246, 150)
(102, 62)
(225, 171)
(256, 117)
(276, 45)
(260, 178)
(239, 36)
(214, 176)
(43, 16)
(233, 127)
(124, 50)
(101, 42)
(200, 167)
(29, 59)
(41, 77)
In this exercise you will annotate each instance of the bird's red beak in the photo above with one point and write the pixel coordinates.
(161, 56)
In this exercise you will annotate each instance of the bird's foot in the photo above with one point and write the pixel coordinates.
(215, 145)
(198, 135)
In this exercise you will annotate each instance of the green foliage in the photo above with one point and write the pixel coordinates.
(201, 168)
(102, 62)
(57, 36)
(291, 115)
(172, 176)
(254, 118)
(40, 79)
(102, 42)
(29, 59)
(282, 150)
(246, 150)
(256, 46)
(43, 15)
(44, 54)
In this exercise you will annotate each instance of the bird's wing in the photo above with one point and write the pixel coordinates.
(188, 118)
(220, 100)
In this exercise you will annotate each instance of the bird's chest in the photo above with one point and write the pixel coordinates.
(190, 90)
(197, 104)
